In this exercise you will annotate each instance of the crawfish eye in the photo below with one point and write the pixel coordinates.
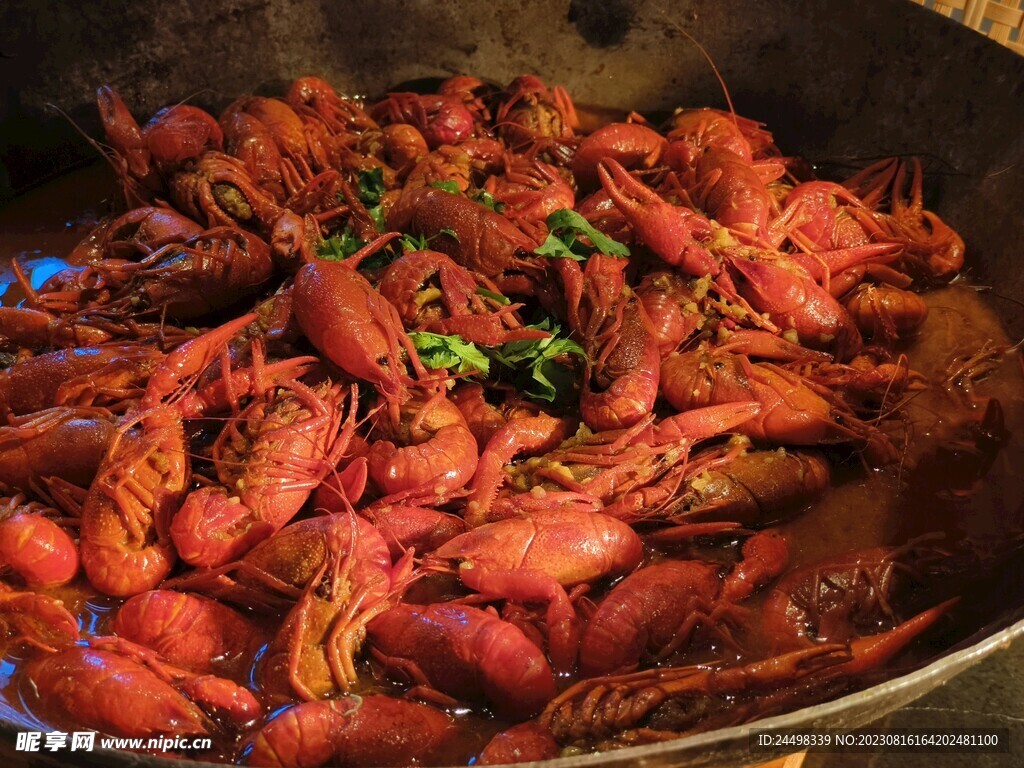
(323, 589)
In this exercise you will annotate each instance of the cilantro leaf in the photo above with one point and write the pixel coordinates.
(565, 226)
(566, 219)
(451, 187)
(515, 352)
(438, 351)
(339, 247)
(411, 243)
(377, 214)
(422, 242)
(537, 367)
(371, 186)
(503, 300)
(540, 373)
(551, 381)
(488, 200)
(555, 247)
(369, 190)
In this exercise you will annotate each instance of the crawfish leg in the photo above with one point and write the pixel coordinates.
(524, 585)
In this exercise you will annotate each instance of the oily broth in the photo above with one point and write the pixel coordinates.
(864, 508)
(867, 509)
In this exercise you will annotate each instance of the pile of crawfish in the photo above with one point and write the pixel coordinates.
(470, 383)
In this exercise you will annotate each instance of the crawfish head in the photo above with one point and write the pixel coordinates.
(101, 689)
(842, 598)
(467, 653)
(632, 145)
(179, 133)
(37, 620)
(794, 301)
(441, 119)
(531, 112)
(694, 130)
(313, 652)
(353, 325)
(207, 272)
(472, 234)
(685, 699)
(143, 230)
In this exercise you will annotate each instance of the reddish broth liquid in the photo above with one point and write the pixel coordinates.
(862, 509)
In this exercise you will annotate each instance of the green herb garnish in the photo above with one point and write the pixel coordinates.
(377, 214)
(370, 189)
(488, 200)
(503, 300)
(438, 351)
(541, 374)
(451, 187)
(422, 242)
(411, 243)
(565, 227)
(339, 247)
(342, 246)
(371, 186)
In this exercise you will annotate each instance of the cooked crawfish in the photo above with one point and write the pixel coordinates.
(33, 545)
(313, 654)
(269, 459)
(189, 631)
(355, 327)
(355, 730)
(368, 411)
(529, 560)
(435, 454)
(466, 653)
(842, 598)
(754, 489)
(109, 376)
(793, 411)
(125, 547)
(36, 620)
(660, 703)
(657, 609)
(432, 293)
(98, 685)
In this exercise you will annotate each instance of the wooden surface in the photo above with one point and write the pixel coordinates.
(1000, 20)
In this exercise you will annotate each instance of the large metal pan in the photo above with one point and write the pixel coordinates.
(837, 81)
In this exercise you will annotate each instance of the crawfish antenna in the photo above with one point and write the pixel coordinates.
(103, 149)
(130, 187)
(197, 94)
(707, 56)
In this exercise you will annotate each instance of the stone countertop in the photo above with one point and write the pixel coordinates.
(990, 694)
